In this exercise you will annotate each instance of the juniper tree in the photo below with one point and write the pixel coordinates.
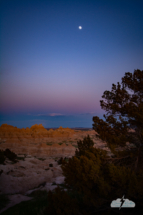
(124, 111)
(97, 178)
(84, 145)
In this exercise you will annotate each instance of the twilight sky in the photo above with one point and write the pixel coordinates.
(53, 73)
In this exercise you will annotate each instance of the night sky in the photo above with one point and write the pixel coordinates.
(54, 73)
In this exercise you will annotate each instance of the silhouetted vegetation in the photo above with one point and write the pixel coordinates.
(124, 111)
(7, 154)
(2, 157)
(1, 171)
(10, 155)
(92, 178)
(36, 206)
(21, 158)
(97, 178)
(84, 145)
(60, 202)
(42, 159)
(62, 160)
(3, 201)
(49, 143)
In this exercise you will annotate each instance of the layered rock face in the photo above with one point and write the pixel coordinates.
(36, 132)
(36, 140)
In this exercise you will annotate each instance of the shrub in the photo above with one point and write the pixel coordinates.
(10, 155)
(1, 171)
(2, 157)
(60, 203)
(84, 145)
(62, 160)
(3, 201)
(97, 178)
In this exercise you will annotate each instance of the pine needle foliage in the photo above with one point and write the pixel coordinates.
(124, 111)
(10, 155)
(98, 178)
(84, 145)
(60, 203)
(2, 157)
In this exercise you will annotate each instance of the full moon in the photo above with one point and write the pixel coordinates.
(80, 27)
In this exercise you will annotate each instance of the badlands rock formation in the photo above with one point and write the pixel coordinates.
(27, 175)
(38, 141)
(40, 149)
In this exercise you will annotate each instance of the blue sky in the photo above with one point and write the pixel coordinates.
(55, 74)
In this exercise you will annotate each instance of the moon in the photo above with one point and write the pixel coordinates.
(80, 27)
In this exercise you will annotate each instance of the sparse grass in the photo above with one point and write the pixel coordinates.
(21, 158)
(64, 141)
(13, 162)
(66, 159)
(63, 186)
(42, 159)
(71, 141)
(49, 143)
(2, 141)
(75, 146)
(54, 183)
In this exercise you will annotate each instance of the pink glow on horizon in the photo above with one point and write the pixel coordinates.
(20, 97)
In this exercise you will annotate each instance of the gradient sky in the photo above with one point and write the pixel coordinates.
(55, 74)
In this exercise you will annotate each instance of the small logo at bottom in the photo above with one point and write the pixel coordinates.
(122, 203)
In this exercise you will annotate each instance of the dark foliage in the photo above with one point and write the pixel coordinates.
(1, 171)
(84, 145)
(2, 157)
(97, 178)
(4, 200)
(34, 206)
(124, 111)
(62, 160)
(60, 203)
(100, 181)
(10, 155)
(50, 165)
